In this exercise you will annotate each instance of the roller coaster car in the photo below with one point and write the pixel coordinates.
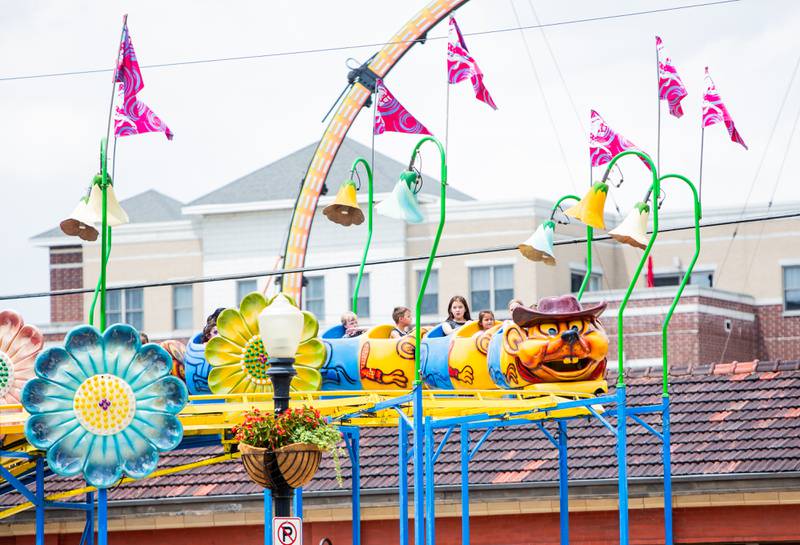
(340, 371)
(458, 361)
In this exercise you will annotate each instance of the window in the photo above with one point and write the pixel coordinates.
(125, 306)
(182, 307)
(314, 296)
(670, 279)
(576, 280)
(430, 301)
(704, 279)
(363, 294)
(243, 287)
(697, 278)
(491, 287)
(791, 288)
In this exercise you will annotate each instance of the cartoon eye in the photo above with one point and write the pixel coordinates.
(549, 329)
(576, 325)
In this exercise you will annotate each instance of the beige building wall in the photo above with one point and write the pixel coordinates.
(135, 261)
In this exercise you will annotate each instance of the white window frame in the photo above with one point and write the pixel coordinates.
(419, 272)
(351, 286)
(787, 312)
(320, 316)
(492, 286)
(124, 311)
(596, 277)
(175, 307)
(241, 293)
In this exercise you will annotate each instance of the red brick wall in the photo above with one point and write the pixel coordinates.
(780, 335)
(66, 272)
(734, 524)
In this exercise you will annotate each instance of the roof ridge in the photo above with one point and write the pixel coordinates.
(734, 367)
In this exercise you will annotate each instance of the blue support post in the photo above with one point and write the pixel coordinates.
(297, 502)
(267, 517)
(355, 458)
(430, 496)
(622, 465)
(102, 516)
(402, 476)
(90, 518)
(419, 476)
(464, 485)
(667, 456)
(39, 501)
(563, 480)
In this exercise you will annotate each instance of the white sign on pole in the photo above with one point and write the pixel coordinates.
(287, 531)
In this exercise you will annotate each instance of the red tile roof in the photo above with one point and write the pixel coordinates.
(726, 419)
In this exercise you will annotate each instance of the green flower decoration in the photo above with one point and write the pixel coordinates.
(239, 362)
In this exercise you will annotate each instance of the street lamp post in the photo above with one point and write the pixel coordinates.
(281, 324)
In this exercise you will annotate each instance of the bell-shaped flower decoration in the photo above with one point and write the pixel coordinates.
(633, 229)
(589, 209)
(89, 212)
(402, 204)
(539, 247)
(344, 210)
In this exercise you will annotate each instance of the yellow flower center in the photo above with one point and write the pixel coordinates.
(104, 404)
(255, 360)
(6, 373)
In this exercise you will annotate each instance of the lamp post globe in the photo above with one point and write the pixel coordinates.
(281, 326)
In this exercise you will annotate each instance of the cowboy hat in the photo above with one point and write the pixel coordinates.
(561, 308)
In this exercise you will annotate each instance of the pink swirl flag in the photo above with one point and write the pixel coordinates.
(133, 116)
(461, 65)
(714, 111)
(670, 86)
(605, 144)
(392, 116)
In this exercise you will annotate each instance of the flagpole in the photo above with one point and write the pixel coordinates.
(658, 102)
(700, 177)
(447, 115)
(114, 75)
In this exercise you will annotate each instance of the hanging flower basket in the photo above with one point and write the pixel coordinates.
(294, 465)
(286, 449)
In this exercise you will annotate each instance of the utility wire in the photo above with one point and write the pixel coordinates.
(374, 44)
(384, 261)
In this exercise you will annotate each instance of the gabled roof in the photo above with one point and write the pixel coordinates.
(280, 180)
(147, 207)
(726, 420)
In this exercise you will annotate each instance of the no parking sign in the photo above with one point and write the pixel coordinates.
(287, 531)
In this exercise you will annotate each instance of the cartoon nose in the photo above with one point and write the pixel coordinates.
(570, 336)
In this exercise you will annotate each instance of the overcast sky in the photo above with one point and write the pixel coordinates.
(230, 118)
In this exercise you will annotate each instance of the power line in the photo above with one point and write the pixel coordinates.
(371, 45)
(384, 261)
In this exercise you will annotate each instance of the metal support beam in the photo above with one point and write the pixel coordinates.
(605, 422)
(352, 439)
(403, 481)
(464, 485)
(267, 517)
(430, 495)
(39, 501)
(622, 465)
(18, 486)
(102, 517)
(563, 480)
(480, 442)
(439, 449)
(556, 443)
(647, 426)
(297, 503)
(667, 458)
(419, 470)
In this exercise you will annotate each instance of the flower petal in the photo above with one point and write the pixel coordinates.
(251, 306)
(28, 341)
(56, 365)
(43, 396)
(165, 431)
(10, 324)
(167, 394)
(310, 326)
(66, 457)
(221, 351)
(43, 430)
(122, 342)
(225, 379)
(150, 364)
(139, 456)
(311, 354)
(85, 344)
(307, 379)
(103, 467)
(24, 364)
(230, 325)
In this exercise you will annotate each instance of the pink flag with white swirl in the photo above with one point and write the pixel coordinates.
(605, 144)
(132, 116)
(392, 116)
(670, 86)
(714, 111)
(461, 65)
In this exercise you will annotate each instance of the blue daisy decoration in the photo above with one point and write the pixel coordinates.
(104, 405)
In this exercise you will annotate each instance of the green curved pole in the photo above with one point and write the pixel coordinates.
(589, 235)
(362, 161)
(656, 187)
(97, 286)
(105, 239)
(684, 281)
(424, 283)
